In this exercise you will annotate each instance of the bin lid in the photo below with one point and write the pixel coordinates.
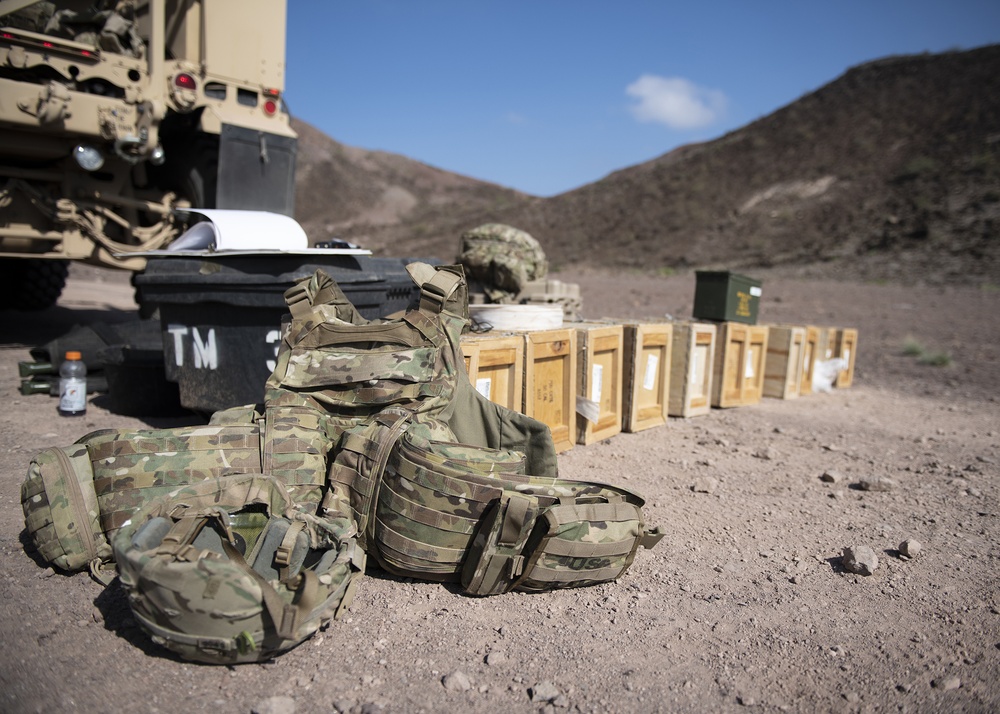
(238, 232)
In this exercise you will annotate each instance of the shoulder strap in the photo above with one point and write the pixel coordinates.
(442, 288)
(320, 289)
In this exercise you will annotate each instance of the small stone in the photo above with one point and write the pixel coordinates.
(766, 453)
(910, 548)
(274, 705)
(544, 691)
(877, 484)
(746, 701)
(456, 681)
(832, 476)
(495, 658)
(852, 697)
(947, 683)
(342, 706)
(705, 484)
(859, 559)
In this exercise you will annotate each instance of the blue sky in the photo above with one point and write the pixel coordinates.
(549, 95)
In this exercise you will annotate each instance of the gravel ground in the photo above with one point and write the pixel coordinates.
(744, 606)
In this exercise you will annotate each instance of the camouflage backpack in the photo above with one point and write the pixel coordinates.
(502, 260)
(229, 570)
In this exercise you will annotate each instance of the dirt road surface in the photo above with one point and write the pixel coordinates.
(743, 607)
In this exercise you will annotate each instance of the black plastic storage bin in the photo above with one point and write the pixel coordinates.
(221, 315)
(726, 297)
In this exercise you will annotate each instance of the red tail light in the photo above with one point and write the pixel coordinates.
(270, 107)
(185, 81)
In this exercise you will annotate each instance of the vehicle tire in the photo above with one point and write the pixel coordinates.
(32, 284)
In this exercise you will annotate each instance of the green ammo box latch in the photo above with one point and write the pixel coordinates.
(726, 297)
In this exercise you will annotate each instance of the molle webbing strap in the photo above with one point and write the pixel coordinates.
(393, 424)
(577, 549)
(574, 512)
(428, 516)
(434, 553)
(543, 574)
(441, 478)
(283, 553)
(177, 541)
(318, 289)
(328, 334)
(514, 520)
(137, 444)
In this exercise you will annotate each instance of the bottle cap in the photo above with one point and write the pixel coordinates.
(72, 355)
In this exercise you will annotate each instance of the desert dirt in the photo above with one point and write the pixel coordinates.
(744, 606)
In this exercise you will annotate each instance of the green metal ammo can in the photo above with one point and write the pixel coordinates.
(726, 297)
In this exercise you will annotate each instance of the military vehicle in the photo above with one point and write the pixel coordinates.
(115, 114)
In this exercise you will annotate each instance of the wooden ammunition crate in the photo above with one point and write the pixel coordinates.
(495, 364)
(646, 374)
(846, 348)
(783, 366)
(550, 382)
(810, 353)
(738, 374)
(691, 359)
(827, 341)
(600, 354)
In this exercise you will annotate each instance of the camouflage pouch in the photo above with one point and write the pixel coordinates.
(61, 513)
(430, 502)
(581, 541)
(227, 570)
(532, 542)
(131, 468)
(495, 559)
(296, 444)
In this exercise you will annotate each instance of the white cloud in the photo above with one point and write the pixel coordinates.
(675, 102)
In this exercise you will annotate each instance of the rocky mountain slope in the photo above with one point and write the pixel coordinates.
(890, 171)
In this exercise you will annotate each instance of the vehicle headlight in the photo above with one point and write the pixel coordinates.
(88, 157)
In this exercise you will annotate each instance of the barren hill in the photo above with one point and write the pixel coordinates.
(891, 170)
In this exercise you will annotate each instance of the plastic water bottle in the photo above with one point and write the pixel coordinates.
(73, 386)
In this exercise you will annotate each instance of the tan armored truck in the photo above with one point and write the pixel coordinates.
(115, 114)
